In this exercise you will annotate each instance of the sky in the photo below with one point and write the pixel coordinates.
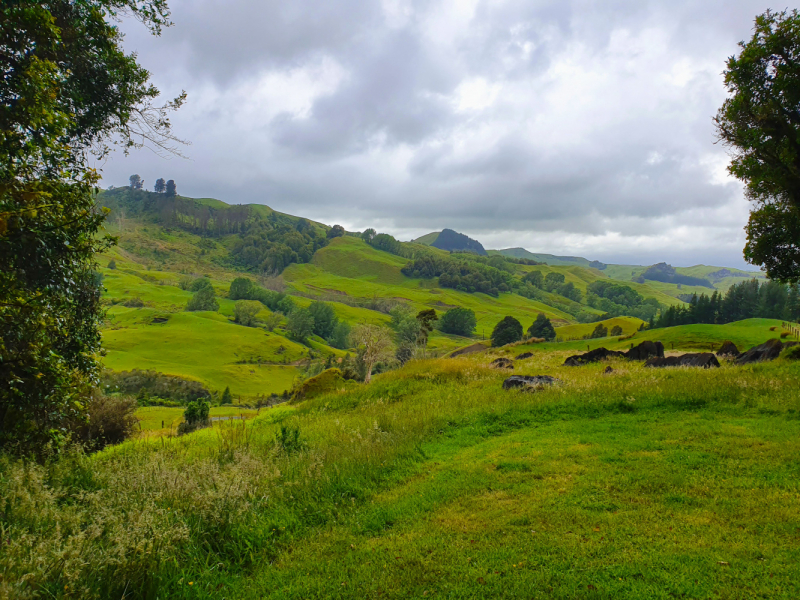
(568, 126)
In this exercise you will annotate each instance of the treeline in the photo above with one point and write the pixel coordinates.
(461, 274)
(745, 300)
(667, 274)
(273, 246)
(617, 300)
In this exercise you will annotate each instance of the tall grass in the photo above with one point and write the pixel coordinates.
(192, 516)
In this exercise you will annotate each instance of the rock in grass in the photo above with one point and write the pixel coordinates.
(703, 359)
(524, 355)
(595, 355)
(608, 370)
(728, 350)
(769, 350)
(645, 350)
(529, 383)
(502, 363)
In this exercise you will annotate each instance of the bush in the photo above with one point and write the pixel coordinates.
(135, 302)
(340, 338)
(152, 383)
(204, 299)
(600, 331)
(245, 311)
(226, 398)
(195, 416)
(300, 325)
(458, 321)
(199, 283)
(112, 264)
(272, 321)
(111, 420)
(327, 381)
(507, 331)
(542, 328)
(325, 320)
(288, 440)
(241, 289)
(615, 331)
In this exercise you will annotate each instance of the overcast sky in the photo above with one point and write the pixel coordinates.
(564, 126)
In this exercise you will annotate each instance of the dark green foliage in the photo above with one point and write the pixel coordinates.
(300, 325)
(112, 264)
(535, 278)
(196, 412)
(458, 321)
(340, 338)
(760, 126)
(67, 87)
(152, 383)
(426, 319)
(667, 274)
(454, 241)
(745, 300)
(385, 242)
(553, 280)
(136, 182)
(170, 190)
(460, 273)
(325, 320)
(288, 440)
(160, 186)
(226, 397)
(773, 240)
(615, 331)
(111, 420)
(199, 283)
(204, 299)
(600, 331)
(335, 231)
(406, 327)
(368, 235)
(542, 328)
(507, 331)
(616, 300)
(245, 311)
(241, 289)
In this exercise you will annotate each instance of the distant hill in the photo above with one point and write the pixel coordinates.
(452, 241)
(551, 259)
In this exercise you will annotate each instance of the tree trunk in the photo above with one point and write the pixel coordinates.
(368, 378)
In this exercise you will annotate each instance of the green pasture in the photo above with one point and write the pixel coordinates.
(629, 326)
(151, 418)
(433, 482)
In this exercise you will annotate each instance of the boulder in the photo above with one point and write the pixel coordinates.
(645, 350)
(595, 355)
(608, 370)
(502, 363)
(728, 350)
(524, 355)
(529, 383)
(769, 350)
(703, 359)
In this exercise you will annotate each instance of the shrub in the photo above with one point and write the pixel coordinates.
(135, 302)
(199, 283)
(195, 416)
(111, 420)
(185, 282)
(506, 331)
(152, 383)
(300, 325)
(600, 331)
(226, 398)
(112, 264)
(324, 319)
(203, 299)
(272, 321)
(241, 289)
(340, 338)
(615, 331)
(288, 440)
(245, 311)
(458, 321)
(542, 328)
(327, 381)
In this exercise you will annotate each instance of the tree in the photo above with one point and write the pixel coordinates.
(136, 182)
(553, 280)
(507, 331)
(335, 231)
(245, 312)
(226, 398)
(241, 289)
(600, 331)
(300, 325)
(171, 189)
(426, 319)
(340, 338)
(760, 125)
(615, 331)
(203, 299)
(458, 321)
(197, 412)
(542, 328)
(324, 319)
(374, 345)
(112, 264)
(368, 235)
(160, 186)
(67, 89)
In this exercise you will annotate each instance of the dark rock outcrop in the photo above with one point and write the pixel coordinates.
(595, 355)
(608, 370)
(704, 359)
(645, 350)
(728, 350)
(502, 363)
(524, 355)
(769, 350)
(529, 383)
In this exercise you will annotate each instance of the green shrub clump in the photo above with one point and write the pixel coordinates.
(542, 328)
(507, 331)
(458, 321)
(203, 299)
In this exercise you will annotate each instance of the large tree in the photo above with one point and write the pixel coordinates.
(374, 345)
(68, 90)
(760, 124)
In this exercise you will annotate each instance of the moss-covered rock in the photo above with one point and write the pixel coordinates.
(327, 381)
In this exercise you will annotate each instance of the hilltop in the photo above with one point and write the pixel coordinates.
(451, 241)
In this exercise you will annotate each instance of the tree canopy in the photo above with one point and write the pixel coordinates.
(542, 328)
(507, 331)
(760, 125)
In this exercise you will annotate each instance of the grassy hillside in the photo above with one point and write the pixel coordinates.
(434, 482)
(427, 239)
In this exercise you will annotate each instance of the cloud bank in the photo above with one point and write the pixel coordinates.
(570, 127)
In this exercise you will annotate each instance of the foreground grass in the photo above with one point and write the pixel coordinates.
(433, 482)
